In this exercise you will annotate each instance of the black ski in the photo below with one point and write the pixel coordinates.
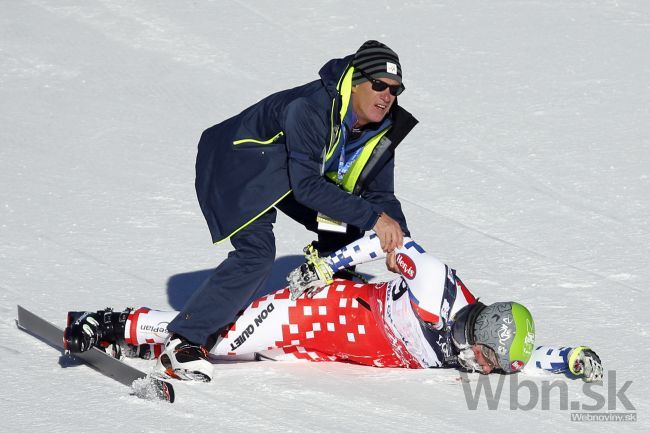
(142, 384)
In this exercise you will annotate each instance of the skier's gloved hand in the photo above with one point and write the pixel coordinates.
(310, 277)
(585, 363)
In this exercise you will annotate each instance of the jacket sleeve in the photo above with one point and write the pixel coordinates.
(380, 193)
(306, 132)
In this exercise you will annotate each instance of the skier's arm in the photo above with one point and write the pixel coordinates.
(580, 361)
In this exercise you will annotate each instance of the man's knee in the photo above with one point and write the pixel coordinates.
(256, 240)
(262, 261)
(260, 249)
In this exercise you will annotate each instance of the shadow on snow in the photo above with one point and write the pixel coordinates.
(181, 287)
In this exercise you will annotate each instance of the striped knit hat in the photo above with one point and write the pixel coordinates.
(376, 60)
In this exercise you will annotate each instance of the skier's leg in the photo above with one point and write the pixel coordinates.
(147, 326)
(133, 333)
(339, 323)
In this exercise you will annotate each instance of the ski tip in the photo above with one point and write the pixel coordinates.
(166, 390)
(151, 388)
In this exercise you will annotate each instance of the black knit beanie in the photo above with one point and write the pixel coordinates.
(376, 60)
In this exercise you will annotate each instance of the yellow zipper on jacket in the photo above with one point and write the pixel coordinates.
(345, 90)
(252, 140)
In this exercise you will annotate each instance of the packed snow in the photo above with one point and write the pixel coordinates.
(528, 173)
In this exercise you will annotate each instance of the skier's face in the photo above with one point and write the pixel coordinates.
(369, 105)
(485, 357)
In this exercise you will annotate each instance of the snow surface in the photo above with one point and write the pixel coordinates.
(529, 174)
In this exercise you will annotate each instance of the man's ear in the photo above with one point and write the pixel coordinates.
(354, 88)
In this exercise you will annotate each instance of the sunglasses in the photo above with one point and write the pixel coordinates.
(380, 86)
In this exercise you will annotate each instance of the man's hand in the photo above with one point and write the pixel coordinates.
(389, 233)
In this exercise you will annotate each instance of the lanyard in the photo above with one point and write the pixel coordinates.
(344, 165)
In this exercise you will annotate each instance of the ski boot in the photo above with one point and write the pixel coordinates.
(103, 329)
(184, 360)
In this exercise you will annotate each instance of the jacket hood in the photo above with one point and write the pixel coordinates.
(332, 72)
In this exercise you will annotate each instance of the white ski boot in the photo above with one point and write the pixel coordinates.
(184, 360)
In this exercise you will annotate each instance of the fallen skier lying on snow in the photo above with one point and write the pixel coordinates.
(424, 318)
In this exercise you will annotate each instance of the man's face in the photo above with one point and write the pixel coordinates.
(371, 106)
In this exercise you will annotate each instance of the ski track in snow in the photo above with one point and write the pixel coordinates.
(528, 173)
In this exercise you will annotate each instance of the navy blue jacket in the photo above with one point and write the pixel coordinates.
(248, 163)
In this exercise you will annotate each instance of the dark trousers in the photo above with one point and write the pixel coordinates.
(245, 271)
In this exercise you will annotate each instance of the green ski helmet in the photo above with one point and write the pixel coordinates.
(505, 327)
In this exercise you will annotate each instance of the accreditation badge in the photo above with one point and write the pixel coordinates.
(328, 224)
